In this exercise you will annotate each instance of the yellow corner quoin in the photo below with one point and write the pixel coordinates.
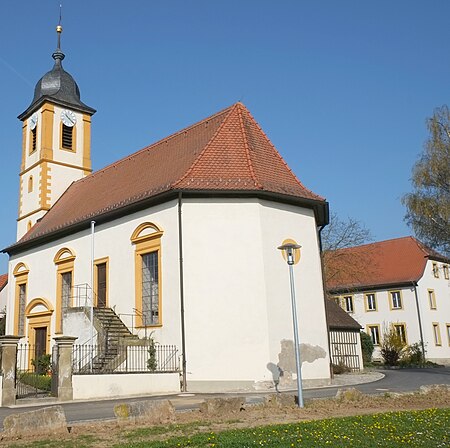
(297, 253)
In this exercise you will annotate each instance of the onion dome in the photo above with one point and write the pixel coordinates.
(57, 86)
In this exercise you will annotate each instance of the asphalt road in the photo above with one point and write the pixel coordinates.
(404, 380)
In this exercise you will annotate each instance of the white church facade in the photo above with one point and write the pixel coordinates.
(178, 240)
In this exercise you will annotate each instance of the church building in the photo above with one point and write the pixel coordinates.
(177, 240)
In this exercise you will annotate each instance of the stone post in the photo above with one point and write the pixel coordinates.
(8, 354)
(64, 367)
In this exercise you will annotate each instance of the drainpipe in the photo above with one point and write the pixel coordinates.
(183, 335)
(92, 290)
(319, 233)
(419, 319)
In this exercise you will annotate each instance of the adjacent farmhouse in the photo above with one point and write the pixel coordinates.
(400, 283)
(177, 242)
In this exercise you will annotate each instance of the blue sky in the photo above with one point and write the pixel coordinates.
(342, 89)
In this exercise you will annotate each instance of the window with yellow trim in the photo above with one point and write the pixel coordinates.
(437, 334)
(370, 301)
(348, 303)
(400, 329)
(432, 299)
(30, 184)
(147, 241)
(445, 269)
(21, 288)
(374, 332)
(396, 300)
(64, 260)
(435, 270)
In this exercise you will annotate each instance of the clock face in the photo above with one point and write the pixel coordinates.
(68, 118)
(33, 120)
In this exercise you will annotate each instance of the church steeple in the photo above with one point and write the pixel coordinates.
(58, 86)
(55, 142)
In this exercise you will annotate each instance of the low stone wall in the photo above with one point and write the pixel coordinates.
(120, 385)
(50, 420)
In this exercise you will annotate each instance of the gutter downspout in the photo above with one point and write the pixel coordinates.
(183, 335)
(324, 286)
(419, 319)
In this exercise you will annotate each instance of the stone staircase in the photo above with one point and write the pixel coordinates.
(112, 333)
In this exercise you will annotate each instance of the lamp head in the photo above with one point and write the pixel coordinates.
(289, 250)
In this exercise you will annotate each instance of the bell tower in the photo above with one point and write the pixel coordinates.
(56, 142)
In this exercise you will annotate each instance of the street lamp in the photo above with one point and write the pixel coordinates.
(291, 252)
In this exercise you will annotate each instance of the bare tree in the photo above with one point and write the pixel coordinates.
(341, 265)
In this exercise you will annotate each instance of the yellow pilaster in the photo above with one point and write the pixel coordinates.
(48, 112)
(87, 164)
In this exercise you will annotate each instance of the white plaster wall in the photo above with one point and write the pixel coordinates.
(107, 386)
(78, 324)
(237, 294)
(279, 222)
(440, 315)
(30, 200)
(226, 320)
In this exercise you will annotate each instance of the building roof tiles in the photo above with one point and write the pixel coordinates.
(3, 281)
(392, 262)
(226, 152)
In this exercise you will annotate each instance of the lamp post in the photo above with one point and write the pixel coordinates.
(292, 256)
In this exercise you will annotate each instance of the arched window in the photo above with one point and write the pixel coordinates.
(20, 273)
(30, 184)
(64, 261)
(147, 241)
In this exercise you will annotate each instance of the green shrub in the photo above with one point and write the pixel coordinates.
(41, 382)
(340, 368)
(413, 356)
(366, 347)
(391, 347)
(42, 365)
(151, 361)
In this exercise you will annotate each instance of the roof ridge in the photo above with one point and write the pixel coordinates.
(146, 148)
(239, 107)
(197, 160)
(280, 156)
(373, 243)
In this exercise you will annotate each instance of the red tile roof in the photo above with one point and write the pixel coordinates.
(226, 152)
(3, 281)
(392, 262)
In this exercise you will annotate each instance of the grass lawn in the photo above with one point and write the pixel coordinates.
(429, 428)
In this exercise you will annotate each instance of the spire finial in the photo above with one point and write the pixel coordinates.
(58, 55)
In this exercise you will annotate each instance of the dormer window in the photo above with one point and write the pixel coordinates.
(67, 137)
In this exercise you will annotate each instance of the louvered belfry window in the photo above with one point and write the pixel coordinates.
(67, 137)
(33, 139)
